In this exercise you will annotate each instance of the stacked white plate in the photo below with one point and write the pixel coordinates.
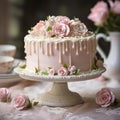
(11, 77)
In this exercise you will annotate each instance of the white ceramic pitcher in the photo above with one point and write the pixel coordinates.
(112, 62)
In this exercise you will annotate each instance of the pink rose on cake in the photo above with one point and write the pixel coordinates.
(20, 102)
(4, 95)
(77, 28)
(59, 26)
(105, 97)
(62, 71)
(37, 28)
(62, 19)
(61, 29)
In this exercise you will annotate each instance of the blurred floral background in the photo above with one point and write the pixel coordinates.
(18, 16)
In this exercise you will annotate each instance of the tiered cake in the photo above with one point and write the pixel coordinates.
(60, 46)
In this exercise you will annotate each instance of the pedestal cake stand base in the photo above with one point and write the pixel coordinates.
(60, 95)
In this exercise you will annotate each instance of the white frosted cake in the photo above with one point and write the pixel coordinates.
(60, 46)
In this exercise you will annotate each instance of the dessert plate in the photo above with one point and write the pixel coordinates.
(10, 77)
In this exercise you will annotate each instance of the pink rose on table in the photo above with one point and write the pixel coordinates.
(105, 97)
(62, 71)
(115, 6)
(61, 29)
(20, 102)
(63, 19)
(4, 95)
(99, 13)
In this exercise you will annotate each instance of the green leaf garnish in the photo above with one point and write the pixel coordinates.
(44, 73)
(23, 66)
(65, 66)
(49, 67)
(53, 36)
(94, 66)
(49, 28)
(36, 70)
(77, 71)
(74, 17)
(35, 103)
(48, 17)
(31, 29)
(30, 105)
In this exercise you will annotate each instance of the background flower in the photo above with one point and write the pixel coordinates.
(99, 13)
(115, 6)
(104, 17)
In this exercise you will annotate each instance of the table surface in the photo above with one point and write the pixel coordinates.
(87, 111)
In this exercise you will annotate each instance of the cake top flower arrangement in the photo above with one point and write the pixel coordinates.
(59, 26)
(106, 15)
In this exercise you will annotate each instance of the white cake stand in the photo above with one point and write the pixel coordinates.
(59, 95)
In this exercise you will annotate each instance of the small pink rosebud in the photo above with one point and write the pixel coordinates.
(4, 95)
(72, 70)
(51, 71)
(20, 102)
(62, 71)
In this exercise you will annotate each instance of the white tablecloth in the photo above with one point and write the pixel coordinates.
(87, 111)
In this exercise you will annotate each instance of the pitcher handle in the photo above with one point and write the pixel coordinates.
(100, 51)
